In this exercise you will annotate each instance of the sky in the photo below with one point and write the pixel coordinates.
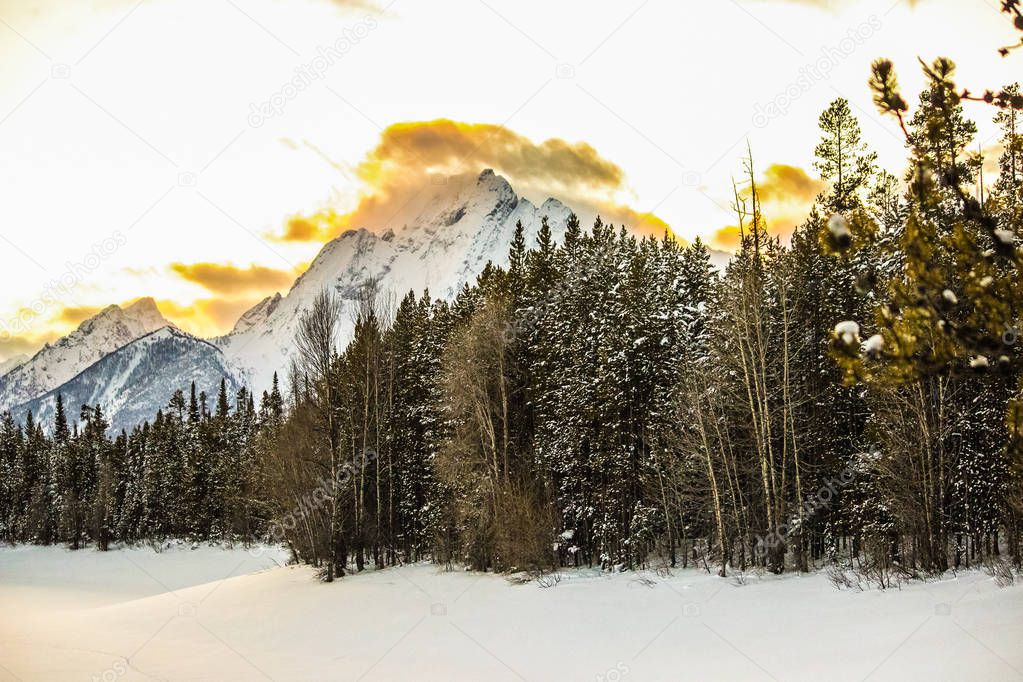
(202, 151)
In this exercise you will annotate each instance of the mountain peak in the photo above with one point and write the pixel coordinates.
(143, 305)
(141, 317)
(444, 242)
(490, 180)
(146, 312)
(110, 329)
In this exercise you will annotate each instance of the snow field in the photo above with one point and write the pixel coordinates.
(215, 614)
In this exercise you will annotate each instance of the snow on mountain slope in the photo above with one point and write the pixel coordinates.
(439, 242)
(132, 383)
(10, 364)
(100, 335)
(257, 314)
(444, 245)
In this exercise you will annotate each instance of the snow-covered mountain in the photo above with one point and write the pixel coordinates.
(257, 314)
(116, 360)
(438, 243)
(12, 363)
(133, 382)
(97, 337)
(444, 245)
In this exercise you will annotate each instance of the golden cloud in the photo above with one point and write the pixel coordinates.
(317, 227)
(75, 315)
(641, 223)
(237, 289)
(411, 159)
(786, 194)
(11, 346)
(31, 327)
(727, 238)
(224, 278)
(208, 316)
(788, 183)
(455, 147)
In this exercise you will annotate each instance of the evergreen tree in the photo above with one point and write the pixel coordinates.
(843, 158)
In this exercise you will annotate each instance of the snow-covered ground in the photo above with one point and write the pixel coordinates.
(213, 614)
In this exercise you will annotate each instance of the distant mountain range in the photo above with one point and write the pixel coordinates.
(130, 360)
(136, 380)
(57, 363)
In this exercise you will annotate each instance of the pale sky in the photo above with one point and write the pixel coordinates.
(139, 122)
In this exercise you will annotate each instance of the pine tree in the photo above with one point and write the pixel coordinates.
(843, 159)
(12, 478)
(939, 136)
(517, 254)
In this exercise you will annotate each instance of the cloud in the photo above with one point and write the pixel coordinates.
(414, 160)
(788, 183)
(75, 315)
(465, 147)
(44, 321)
(316, 227)
(786, 194)
(11, 346)
(727, 238)
(207, 316)
(224, 278)
(643, 223)
(31, 327)
(236, 290)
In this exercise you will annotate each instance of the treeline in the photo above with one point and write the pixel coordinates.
(846, 398)
(611, 401)
(193, 473)
(484, 430)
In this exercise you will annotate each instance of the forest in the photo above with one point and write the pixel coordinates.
(848, 399)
